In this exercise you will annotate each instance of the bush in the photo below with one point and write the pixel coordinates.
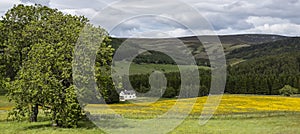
(287, 90)
(169, 93)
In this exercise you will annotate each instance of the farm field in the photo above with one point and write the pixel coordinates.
(235, 114)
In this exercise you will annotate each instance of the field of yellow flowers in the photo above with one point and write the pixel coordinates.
(230, 104)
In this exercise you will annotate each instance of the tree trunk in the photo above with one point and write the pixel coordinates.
(55, 122)
(35, 112)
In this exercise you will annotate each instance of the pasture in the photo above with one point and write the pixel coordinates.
(235, 114)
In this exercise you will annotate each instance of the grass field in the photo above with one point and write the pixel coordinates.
(4, 103)
(235, 114)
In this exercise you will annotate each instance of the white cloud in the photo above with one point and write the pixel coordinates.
(42, 2)
(226, 16)
(6, 4)
(288, 29)
(87, 12)
(178, 32)
(259, 21)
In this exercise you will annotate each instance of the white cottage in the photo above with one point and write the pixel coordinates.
(127, 95)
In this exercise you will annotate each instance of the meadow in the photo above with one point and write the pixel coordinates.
(230, 106)
(235, 114)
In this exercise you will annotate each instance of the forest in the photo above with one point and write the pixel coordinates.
(263, 76)
(264, 69)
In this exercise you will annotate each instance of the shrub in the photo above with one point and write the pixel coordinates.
(287, 90)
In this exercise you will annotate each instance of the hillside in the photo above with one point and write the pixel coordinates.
(266, 49)
(230, 43)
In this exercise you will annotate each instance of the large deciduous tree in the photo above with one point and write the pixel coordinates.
(38, 50)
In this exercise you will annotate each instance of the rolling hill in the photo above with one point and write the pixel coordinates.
(231, 43)
(266, 49)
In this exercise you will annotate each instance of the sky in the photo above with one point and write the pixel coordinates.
(175, 18)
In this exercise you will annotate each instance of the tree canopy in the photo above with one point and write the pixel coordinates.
(37, 54)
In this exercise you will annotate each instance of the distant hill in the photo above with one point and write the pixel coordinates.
(231, 44)
(266, 49)
(240, 39)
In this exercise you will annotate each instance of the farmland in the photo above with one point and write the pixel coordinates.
(235, 114)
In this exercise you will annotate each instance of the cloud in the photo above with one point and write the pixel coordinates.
(87, 12)
(259, 21)
(6, 4)
(262, 25)
(41, 2)
(150, 26)
(226, 16)
(273, 25)
(79, 4)
(288, 29)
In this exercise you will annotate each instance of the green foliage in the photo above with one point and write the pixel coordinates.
(287, 90)
(264, 75)
(169, 93)
(153, 57)
(37, 57)
(3, 85)
(41, 43)
(94, 45)
(140, 82)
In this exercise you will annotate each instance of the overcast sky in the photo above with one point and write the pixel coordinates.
(130, 18)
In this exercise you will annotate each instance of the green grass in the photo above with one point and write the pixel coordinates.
(43, 128)
(4, 103)
(289, 124)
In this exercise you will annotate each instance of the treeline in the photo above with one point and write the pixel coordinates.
(141, 83)
(154, 57)
(264, 76)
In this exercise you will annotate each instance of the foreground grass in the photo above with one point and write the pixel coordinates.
(287, 124)
(42, 128)
(235, 114)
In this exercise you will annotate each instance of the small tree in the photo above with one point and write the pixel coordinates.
(170, 92)
(287, 90)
